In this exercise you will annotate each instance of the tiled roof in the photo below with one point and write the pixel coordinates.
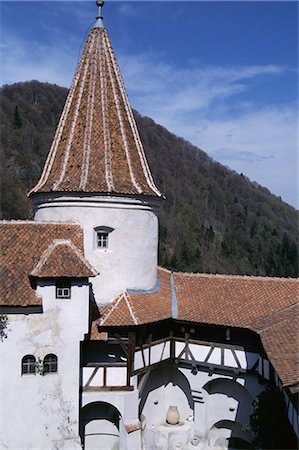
(140, 308)
(280, 340)
(22, 244)
(232, 300)
(264, 305)
(97, 148)
(63, 259)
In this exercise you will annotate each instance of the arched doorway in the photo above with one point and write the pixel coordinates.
(234, 433)
(227, 400)
(100, 426)
(160, 388)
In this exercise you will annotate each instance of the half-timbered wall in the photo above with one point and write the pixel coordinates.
(212, 383)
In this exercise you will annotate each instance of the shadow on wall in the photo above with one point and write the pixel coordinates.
(226, 423)
(100, 426)
(161, 388)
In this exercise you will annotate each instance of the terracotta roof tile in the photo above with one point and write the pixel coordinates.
(22, 244)
(97, 148)
(63, 259)
(264, 305)
(139, 308)
(280, 340)
(232, 300)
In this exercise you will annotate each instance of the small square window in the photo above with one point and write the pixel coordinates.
(102, 239)
(63, 289)
(102, 236)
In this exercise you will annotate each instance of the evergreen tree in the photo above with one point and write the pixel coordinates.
(17, 121)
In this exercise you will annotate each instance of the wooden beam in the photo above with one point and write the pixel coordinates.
(209, 354)
(106, 364)
(107, 388)
(92, 376)
(130, 360)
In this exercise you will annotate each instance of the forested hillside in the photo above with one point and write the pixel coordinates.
(213, 220)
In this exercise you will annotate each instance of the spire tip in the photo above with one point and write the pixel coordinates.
(99, 19)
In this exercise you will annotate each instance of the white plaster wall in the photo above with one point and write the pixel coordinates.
(127, 405)
(230, 401)
(161, 388)
(101, 434)
(231, 405)
(130, 262)
(42, 411)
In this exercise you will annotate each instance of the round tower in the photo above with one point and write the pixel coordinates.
(97, 174)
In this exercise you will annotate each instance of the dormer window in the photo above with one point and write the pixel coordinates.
(63, 288)
(102, 236)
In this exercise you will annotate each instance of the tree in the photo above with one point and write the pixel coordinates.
(17, 121)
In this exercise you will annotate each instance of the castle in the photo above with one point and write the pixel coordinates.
(103, 349)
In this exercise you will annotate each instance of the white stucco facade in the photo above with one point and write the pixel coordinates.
(42, 411)
(130, 260)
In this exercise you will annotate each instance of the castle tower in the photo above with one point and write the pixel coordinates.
(97, 174)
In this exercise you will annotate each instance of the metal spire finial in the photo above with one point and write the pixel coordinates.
(99, 22)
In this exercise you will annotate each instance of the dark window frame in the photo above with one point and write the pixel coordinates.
(50, 364)
(102, 237)
(63, 288)
(28, 366)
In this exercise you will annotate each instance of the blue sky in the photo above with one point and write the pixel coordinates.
(220, 74)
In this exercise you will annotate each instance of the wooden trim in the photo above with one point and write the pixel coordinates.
(214, 366)
(209, 354)
(103, 364)
(236, 358)
(150, 336)
(214, 344)
(172, 346)
(143, 358)
(130, 360)
(92, 376)
(158, 341)
(107, 388)
(147, 368)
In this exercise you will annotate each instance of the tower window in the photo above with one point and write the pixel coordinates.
(102, 239)
(28, 365)
(63, 288)
(50, 363)
(102, 236)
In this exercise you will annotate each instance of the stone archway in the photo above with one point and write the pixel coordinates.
(227, 400)
(164, 386)
(234, 433)
(100, 426)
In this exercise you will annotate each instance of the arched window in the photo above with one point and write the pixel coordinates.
(28, 365)
(50, 363)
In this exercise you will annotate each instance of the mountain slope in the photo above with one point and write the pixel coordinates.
(212, 220)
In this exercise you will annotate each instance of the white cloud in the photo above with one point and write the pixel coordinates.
(200, 105)
(43, 62)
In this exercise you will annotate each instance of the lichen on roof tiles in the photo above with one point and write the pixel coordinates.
(22, 245)
(97, 147)
(63, 259)
(266, 306)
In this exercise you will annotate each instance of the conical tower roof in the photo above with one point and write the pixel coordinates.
(97, 147)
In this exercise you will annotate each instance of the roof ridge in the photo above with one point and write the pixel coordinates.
(110, 309)
(131, 308)
(275, 313)
(231, 276)
(50, 249)
(164, 269)
(33, 222)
